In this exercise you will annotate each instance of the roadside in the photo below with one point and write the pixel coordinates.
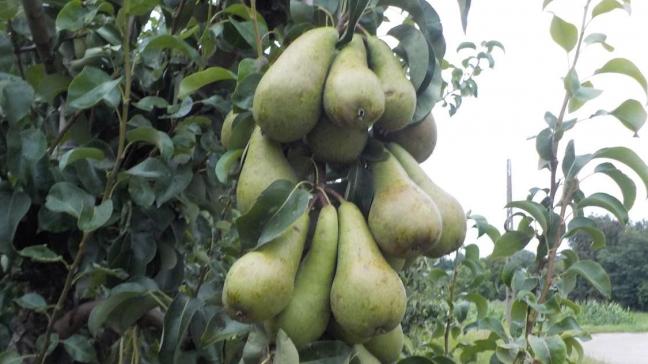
(617, 348)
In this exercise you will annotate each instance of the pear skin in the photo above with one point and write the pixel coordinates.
(307, 315)
(395, 262)
(353, 95)
(403, 218)
(288, 100)
(226, 129)
(334, 329)
(264, 163)
(454, 218)
(367, 296)
(336, 144)
(260, 284)
(418, 139)
(400, 95)
(387, 347)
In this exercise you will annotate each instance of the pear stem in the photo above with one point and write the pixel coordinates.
(335, 194)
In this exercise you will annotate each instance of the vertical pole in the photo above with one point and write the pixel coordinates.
(509, 226)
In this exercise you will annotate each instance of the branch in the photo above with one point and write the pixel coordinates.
(37, 21)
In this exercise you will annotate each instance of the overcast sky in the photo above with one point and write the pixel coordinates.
(472, 148)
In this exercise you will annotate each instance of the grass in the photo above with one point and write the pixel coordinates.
(638, 323)
(599, 317)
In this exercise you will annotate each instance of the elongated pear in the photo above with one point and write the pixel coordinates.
(386, 347)
(363, 356)
(260, 284)
(288, 100)
(400, 96)
(419, 139)
(336, 144)
(226, 129)
(395, 262)
(454, 219)
(264, 163)
(403, 219)
(307, 315)
(353, 96)
(367, 296)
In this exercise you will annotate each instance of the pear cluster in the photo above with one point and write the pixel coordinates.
(336, 276)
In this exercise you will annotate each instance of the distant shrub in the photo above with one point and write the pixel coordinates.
(603, 313)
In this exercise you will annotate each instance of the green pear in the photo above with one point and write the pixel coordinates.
(454, 219)
(387, 347)
(260, 284)
(395, 262)
(307, 315)
(403, 218)
(335, 330)
(226, 129)
(288, 100)
(367, 296)
(264, 164)
(419, 139)
(400, 96)
(353, 96)
(363, 356)
(336, 144)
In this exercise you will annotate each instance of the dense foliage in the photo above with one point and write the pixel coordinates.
(623, 259)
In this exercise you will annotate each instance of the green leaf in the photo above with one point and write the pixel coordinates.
(221, 327)
(632, 114)
(545, 3)
(584, 93)
(464, 8)
(10, 356)
(147, 103)
(80, 348)
(483, 227)
(605, 6)
(594, 273)
(627, 186)
(226, 164)
(564, 33)
(293, 207)
(582, 224)
(624, 67)
(34, 144)
(166, 41)
(125, 304)
(286, 351)
(90, 87)
(15, 205)
(466, 45)
(413, 43)
(629, 158)
(40, 253)
(74, 16)
(243, 95)
(598, 38)
(242, 128)
(16, 97)
(355, 9)
(176, 323)
(8, 10)
(255, 347)
(94, 217)
(32, 301)
(140, 191)
(139, 7)
(535, 209)
(548, 350)
(510, 242)
(48, 86)
(324, 352)
(195, 81)
(80, 153)
(152, 136)
(68, 198)
(150, 168)
(607, 202)
(480, 302)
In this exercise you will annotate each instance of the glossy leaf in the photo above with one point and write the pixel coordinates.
(80, 348)
(176, 323)
(626, 185)
(16, 97)
(594, 273)
(75, 15)
(15, 205)
(483, 227)
(147, 103)
(68, 198)
(480, 302)
(195, 81)
(152, 136)
(413, 43)
(631, 113)
(226, 164)
(608, 202)
(221, 327)
(94, 217)
(509, 243)
(548, 350)
(32, 301)
(563, 33)
(625, 67)
(293, 207)
(166, 41)
(150, 168)
(535, 209)
(90, 87)
(139, 7)
(629, 158)
(585, 225)
(40, 253)
(47, 86)
(80, 153)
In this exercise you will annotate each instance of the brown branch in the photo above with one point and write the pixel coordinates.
(66, 126)
(176, 15)
(16, 48)
(37, 21)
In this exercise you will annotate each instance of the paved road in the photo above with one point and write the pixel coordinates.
(618, 348)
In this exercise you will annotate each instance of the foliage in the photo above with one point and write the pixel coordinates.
(621, 258)
(597, 313)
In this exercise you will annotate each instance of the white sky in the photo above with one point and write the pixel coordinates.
(472, 148)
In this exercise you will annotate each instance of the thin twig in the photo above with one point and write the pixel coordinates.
(66, 127)
(257, 33)
(38, 26)
(176, 15)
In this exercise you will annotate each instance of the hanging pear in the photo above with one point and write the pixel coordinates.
(353, 96)
(400, 96)
(288, 100)
(403, 219)
(419, 139)
(260, 284)
(387, 347)
(264, 164)
(367, 296)
(307, 315)
(454, 219)
(336, 144)
(226, 129)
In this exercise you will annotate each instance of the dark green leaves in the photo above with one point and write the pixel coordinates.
(80, 348)
(511, 242)
(413, 43)
(92, 86)
(625, 67)
(221, 327)
(32, 301)
(464, 8)
(585, 225)
(67, 198)
(75, 16)
(594, 274)
(195, 81)
(548, 350)
(564, 33)
(627, 186)
(276, 208)
(483, 227)
(226, 164)
(535, 209)
(152, 136)
(40, 253)
(15, 205)
(607, 202)
(16, 97)
(355, 9)
(80, 153)
(176, 323)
